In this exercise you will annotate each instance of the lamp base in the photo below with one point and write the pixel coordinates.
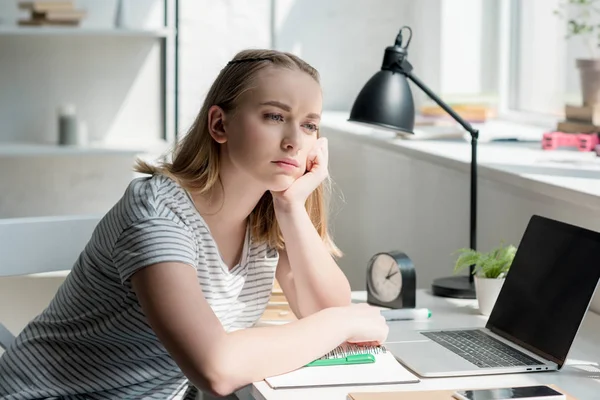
(457, 287)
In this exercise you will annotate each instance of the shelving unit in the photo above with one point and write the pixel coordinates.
(165, 35)
(76, 31)
(101, 65)
(36, 149)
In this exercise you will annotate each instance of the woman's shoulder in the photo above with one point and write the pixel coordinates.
(153, 196)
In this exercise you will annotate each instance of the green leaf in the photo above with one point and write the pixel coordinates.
(494, 264)
(580, 17)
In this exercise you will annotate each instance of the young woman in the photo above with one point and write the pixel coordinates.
(160, 300)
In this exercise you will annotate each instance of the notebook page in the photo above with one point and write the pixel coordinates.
(385, 370)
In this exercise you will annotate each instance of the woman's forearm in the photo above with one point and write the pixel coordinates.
(318, 280)
(251, 355)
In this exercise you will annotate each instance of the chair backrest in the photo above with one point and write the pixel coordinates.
(41, 244)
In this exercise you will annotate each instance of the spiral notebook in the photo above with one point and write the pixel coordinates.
(385, 370)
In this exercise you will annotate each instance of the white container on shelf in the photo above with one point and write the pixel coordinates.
(67, 125)
(122, 17)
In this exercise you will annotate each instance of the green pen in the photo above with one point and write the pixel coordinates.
(351, 359)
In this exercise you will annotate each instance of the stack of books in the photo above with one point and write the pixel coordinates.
(580, 119)
(278, 309)
(473, 113)
(62, 13)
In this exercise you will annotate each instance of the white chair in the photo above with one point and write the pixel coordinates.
(35, 245)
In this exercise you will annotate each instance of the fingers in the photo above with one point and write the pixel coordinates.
(325, 150)
(312, 157)
(373, 329)
(318, 156)
(321, 154)
(367, 343)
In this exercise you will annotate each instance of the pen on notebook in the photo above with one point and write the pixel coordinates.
(406, 314)
(348, 360)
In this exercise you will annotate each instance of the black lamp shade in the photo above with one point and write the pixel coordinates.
(385, 101)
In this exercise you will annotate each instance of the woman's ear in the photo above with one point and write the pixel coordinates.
(216, 124)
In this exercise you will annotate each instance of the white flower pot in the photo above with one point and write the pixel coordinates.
(487, 290)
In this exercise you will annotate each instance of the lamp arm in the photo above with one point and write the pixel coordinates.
(406, 69)
(474, 132)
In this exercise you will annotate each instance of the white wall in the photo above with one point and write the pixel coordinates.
(401, 201)
(332, 36)
(344, 39)
(392, 201)
(62, 185)
(211, 33)
(541, 58)
(460, 39)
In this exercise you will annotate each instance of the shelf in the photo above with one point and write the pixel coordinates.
(77, 31)
(38, 149)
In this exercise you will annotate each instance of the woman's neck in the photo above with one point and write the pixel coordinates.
(229, 202)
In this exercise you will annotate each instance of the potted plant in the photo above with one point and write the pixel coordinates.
(490, 270)
(582, 18)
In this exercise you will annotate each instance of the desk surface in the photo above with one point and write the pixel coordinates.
(580, 377)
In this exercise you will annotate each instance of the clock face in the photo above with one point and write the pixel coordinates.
(386, 280)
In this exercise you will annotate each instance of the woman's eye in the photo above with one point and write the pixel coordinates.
(274, 117)
(312, 127)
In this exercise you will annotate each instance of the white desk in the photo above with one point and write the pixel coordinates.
(579, 380)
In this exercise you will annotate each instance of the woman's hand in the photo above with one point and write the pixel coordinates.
(366, 324)
(316, 173)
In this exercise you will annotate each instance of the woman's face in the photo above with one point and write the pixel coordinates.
(271, 132)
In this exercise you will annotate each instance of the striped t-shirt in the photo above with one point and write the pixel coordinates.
(93, 341)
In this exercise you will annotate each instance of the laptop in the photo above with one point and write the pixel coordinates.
(535, 319)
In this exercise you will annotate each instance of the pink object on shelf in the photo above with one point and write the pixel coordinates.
(598, 150)
(583, 141)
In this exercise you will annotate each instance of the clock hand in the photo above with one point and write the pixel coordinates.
(393, 273)
(391, 269)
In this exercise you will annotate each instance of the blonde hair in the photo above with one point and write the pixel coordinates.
(196, 158)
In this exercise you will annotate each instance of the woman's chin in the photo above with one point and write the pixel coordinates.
(281, 183)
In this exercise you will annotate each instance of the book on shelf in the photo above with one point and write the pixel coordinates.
(60, 15)
(468, 112)
(36, 22)
(576, 127)
(43, 6)
(585, 114)
(51, 13)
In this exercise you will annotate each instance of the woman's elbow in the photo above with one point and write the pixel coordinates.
(221, 388)
(220, 379)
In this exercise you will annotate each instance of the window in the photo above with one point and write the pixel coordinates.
(538, 72)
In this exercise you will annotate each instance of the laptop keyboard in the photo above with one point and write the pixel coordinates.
(480, 349)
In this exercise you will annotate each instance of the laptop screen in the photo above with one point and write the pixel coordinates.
(548, 288)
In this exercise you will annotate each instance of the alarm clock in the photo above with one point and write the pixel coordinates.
(391, 280)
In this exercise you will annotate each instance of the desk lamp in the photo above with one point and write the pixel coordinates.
(386, 101)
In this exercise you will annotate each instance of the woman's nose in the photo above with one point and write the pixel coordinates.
(292, 139)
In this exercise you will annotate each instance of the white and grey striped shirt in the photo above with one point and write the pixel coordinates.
(93, 341)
